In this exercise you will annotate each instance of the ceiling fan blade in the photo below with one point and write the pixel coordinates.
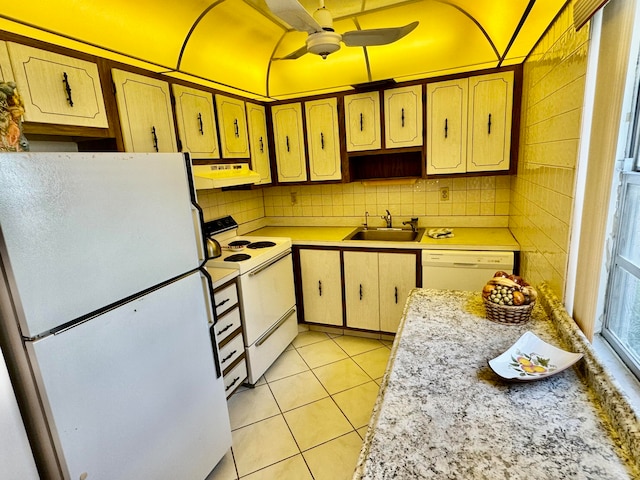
(296, 54)
(376, 36)
(294, 14)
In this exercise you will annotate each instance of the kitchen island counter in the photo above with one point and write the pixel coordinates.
(443, 413)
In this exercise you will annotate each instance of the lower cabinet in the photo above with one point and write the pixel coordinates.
(228, 332)
(321, 286)
(374, 285)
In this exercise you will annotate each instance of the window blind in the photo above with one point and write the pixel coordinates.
(583, 10)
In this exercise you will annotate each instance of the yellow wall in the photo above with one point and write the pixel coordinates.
(543, 191)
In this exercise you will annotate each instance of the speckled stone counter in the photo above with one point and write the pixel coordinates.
(443, 414)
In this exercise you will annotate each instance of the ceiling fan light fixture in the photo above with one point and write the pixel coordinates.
(323, 43)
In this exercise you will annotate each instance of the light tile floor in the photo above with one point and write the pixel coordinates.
(308, 414)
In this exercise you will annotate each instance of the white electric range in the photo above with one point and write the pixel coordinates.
(266, 286)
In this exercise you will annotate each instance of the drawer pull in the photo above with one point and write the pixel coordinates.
(360, 291)
(261, 145)
(361, 122)
(287, 140)
(396, 288)
(223, 302)
(275, 327)
(225, 329)
(236, 129)
(320, 287)
(489, 125)
(235, 380)
(322, 140)
(67, 87)
(402, 118)
(229, 356)
(446, 127)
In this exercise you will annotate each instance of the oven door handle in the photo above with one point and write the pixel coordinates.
(275, 327)
(267, 265)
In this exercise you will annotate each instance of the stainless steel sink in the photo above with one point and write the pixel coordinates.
(386, 235)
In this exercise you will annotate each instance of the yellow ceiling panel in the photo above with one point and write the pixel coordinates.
(232, 45)
(152, 30)
(498, 18)
(434, 46)
(235, 44)
(541, 16)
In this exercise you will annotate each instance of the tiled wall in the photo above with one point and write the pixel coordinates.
(542, 193)
(244, 205)
(477, 196)
(477, 201)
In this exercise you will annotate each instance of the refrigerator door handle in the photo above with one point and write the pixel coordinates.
(207, 285)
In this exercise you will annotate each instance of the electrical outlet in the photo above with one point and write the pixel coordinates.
(444, 194)
(294, 198)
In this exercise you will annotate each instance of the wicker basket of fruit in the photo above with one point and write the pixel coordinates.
(508, 299)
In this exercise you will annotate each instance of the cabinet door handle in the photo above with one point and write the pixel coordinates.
(402, 118)
(489, 125)
(155, 138)
(360, 291)
(67, 88)
(396, 294)
(446, 127)
(236, 129)
(361, 122)
(322, 140)
(320, 287)
(287, 140)
(200, 123)
(261, 145)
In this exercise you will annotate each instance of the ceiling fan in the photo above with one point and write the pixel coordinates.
(323, 39)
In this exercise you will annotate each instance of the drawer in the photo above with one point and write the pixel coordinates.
(227, 324)
(231, 351)
(226, 298)
(235, 377)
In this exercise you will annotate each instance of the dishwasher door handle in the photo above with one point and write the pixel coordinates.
(466, 265)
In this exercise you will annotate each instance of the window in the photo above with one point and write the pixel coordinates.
(622, 313)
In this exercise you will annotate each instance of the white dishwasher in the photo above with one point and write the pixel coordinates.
(462, 269)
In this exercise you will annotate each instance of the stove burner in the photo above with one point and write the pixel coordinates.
(238, 257)
(263, 244)
(239, 243)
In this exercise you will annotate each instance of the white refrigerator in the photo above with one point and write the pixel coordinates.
(106, 316)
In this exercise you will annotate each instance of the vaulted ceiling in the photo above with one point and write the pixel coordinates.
(238, 45)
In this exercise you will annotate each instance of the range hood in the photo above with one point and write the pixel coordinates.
(223, 175)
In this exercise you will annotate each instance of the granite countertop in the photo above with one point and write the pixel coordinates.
(465, 238)
(442, 413)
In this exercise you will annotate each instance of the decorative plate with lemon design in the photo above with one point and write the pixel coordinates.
(532, 359)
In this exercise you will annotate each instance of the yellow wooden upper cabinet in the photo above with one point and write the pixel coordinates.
(258, 141)
(489, 135)
(323, 139)
(362, 121)
(289, 142)
(447, 126)
(6, 73)
(196, 122)
(403, 117)
(469, 124)
(56, 88)
(232, 121)
(144, 108)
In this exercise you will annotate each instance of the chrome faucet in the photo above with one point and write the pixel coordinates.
(366, 220)
(413, 222)
(387, 218)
